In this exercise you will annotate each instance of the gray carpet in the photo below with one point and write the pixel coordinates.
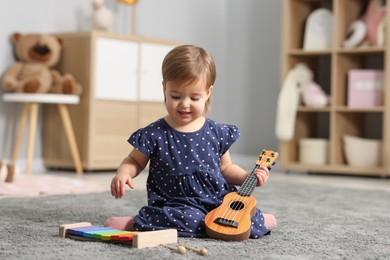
(314, 222)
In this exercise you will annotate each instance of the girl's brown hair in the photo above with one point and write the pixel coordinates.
(186, 64)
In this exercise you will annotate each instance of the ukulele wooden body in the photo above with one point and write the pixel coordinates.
(232, 219)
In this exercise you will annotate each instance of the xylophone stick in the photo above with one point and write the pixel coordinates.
(180, 249)
(201, 251)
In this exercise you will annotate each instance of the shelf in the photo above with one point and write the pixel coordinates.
(359, 50)
(312, 109)
(338, 169)
(362, 50)
(341, 109)
(364, 110)
(300, 52)
(41, 98)
(331, 69)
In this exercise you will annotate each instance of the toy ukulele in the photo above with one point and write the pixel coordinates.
(232, 219)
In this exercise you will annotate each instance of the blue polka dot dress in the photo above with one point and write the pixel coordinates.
(184, 181)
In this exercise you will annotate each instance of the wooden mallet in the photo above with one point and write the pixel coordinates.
(201, 251)
(180, 249)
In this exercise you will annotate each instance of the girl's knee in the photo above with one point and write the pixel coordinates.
(269, 221)
(120, 223)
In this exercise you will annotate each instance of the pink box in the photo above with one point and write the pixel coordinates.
(365, 88)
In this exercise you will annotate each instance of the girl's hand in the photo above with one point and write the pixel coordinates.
(262, 175)
(118, 183)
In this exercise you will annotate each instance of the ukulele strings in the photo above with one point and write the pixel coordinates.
(240, 198)
(247, 188)
(231, 212)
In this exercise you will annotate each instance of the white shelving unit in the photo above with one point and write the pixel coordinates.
(330, 67)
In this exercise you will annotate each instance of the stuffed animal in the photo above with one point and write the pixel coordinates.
(34, 72)
(298, 87)
(102, 16)
(314, 96)
(289, 99)
(370, 28)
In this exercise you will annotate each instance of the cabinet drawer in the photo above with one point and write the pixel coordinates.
(150, 112)
(113, 123)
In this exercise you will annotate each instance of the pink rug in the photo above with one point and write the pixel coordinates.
(40, 185)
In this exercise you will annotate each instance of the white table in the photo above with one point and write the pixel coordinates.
(31, 106)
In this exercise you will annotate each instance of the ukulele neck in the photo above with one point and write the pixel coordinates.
(249, 184)
(266, 159)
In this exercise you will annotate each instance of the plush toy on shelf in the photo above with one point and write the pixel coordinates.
(298, 86)
(369, 28)
(314, 96)
(102, 16)
(288, 100)
(37, 55)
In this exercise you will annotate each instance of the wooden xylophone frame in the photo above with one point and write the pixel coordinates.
(136, 239)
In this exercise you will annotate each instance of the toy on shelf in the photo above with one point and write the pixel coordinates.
(369, 28)
(102, 16)
(288, 100)
(37, 55)
(365, 88)
(318, 30)
(298, 86)
(314, 96)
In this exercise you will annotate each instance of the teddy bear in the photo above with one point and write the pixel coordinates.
(37, 55)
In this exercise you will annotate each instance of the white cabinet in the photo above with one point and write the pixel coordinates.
(122, 81)
(116, 69)
(150, 74)
(129, 71)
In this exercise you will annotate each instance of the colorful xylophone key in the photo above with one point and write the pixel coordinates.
(102, 233)
(86, 231)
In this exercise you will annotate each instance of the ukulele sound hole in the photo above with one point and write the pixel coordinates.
(237, 205)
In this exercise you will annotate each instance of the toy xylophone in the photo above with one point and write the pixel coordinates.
(86, 231)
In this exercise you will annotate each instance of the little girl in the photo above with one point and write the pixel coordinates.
(190, 165)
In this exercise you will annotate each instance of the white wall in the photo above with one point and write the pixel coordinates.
(253, 47)
(243, 36)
